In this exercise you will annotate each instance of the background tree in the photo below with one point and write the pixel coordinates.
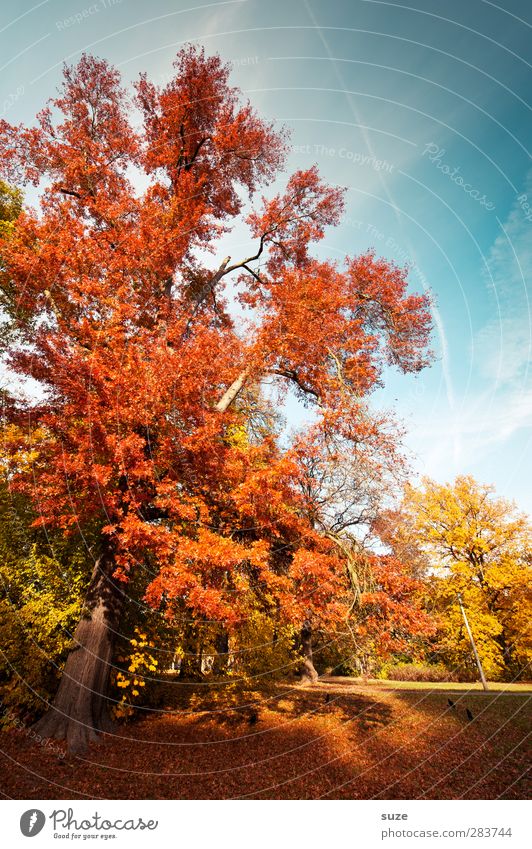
(347, 489)
(42, 578)
(390, 619)
(478, 545)
(139, 361)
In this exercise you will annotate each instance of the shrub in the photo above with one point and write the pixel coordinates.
(138, 666)
(417, 672)
(40, 604)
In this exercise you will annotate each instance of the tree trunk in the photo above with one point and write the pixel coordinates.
(308, 671)
(80, 709)
(221, 644)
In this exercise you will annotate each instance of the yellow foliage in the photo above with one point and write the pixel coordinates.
(237, 436)
(139, 661)
(480, 546)
(261, 648)
(40, 605)
(10, 208)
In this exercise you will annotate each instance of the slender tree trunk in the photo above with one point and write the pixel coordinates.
(200, 656)
(221, 644)
(308, 671)
(80, 709)
(191, 666)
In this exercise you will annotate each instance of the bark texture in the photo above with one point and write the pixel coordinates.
(80, 709)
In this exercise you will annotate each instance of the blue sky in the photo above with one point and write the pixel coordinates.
(422, 110)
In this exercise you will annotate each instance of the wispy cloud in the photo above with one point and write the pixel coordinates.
(503, 347)
(470, 435)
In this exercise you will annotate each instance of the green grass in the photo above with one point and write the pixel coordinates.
(444, 686)
(495, 686)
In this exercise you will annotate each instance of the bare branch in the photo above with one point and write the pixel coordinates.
(249, 258)
(70, 192)
(292, 375)
(253, 273)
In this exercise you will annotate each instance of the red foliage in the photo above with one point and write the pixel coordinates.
(132, 343)
(391, 612)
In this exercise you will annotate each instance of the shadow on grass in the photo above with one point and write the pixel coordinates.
(292, 743)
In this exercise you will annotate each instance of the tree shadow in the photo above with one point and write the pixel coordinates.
(304, 743)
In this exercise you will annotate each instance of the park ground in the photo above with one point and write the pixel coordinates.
(339, 739)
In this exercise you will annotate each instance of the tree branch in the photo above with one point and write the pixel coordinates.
(253, 273)
(205, 292)
(230, 394)
(249, 258)
(291, 374)
(70, 192)
(190, 162)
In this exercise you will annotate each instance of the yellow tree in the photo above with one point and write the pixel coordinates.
(478, 545)
(10, 207)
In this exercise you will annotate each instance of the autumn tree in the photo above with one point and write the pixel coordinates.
(343, 484)
(476, 544)
(127, 330)
(390, 619)
(10, 207)
(42, 578)
(347, 487)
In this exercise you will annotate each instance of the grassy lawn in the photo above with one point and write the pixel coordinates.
(378, 683)
(333, 740)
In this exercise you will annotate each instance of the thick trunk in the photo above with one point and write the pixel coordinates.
(80, 709)
(308, 671)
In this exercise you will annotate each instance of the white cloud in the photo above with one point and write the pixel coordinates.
(484, 432)
(503, 347)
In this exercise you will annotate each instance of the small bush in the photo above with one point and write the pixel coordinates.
(417, 672)
(138, 666)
